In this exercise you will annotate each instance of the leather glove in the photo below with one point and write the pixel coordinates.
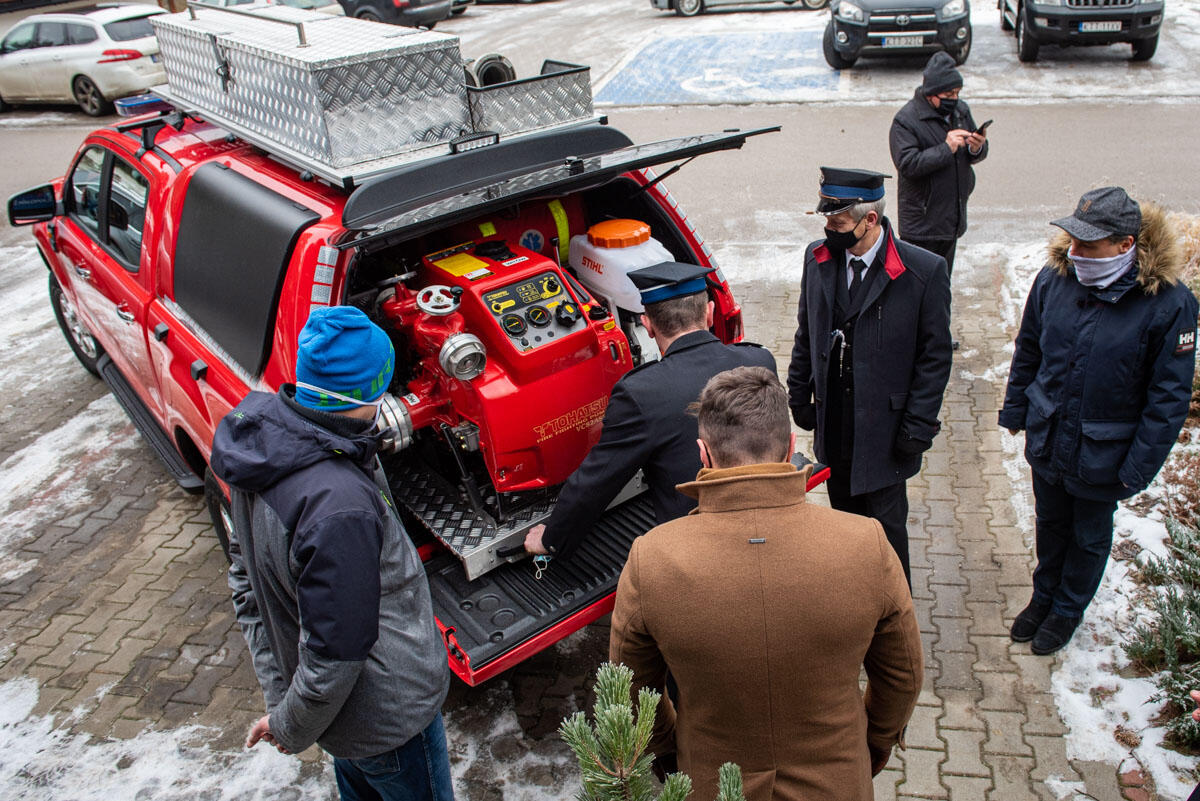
(806, 416)
(879, 759)
(664, 765)
(907, 446)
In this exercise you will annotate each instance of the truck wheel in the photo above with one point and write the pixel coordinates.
(218, 510)
(1027, 45)
(832, 56)
(89, 98)
(1143, 49)
(689, 8)
(83, 344)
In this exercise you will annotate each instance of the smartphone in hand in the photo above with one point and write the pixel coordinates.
(983, 128)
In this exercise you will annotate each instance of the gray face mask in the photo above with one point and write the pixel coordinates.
(1099, 273)
(378, 404)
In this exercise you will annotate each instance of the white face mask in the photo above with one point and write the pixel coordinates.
(1100, 273)
(377, 404)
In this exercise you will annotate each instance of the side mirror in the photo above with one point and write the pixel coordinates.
(32, 205)
(118, 217)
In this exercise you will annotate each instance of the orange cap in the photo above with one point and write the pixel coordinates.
(618, 233)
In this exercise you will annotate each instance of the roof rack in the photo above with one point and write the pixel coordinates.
(347, 99)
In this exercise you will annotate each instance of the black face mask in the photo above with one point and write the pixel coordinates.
(947, 105)
(842, 240)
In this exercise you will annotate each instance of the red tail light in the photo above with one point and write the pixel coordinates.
(401, 3)
(119, 55)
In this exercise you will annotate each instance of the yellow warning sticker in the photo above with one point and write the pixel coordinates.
(461, 264)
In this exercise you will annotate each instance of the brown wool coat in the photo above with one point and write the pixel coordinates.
(766, 640)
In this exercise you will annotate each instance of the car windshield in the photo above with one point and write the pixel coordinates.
(125, 30)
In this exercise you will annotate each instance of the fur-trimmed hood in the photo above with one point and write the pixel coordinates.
(1159, 257)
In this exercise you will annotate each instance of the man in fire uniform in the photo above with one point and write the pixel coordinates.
(647, 426)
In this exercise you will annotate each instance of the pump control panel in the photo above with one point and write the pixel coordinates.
(534, 311)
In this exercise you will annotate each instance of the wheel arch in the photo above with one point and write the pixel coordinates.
(190, 452)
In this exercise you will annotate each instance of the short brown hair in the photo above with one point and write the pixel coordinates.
(743, 417)
(671, 317)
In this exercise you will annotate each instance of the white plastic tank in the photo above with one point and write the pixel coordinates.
(608, 252)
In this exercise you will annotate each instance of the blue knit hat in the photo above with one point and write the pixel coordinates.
(342, 351)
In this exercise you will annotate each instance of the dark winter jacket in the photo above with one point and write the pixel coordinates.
(647, 427)
(901, 356)
(1101, 378)
(934, 183)
(328, 588)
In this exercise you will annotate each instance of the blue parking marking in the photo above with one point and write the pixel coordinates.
(723, 68)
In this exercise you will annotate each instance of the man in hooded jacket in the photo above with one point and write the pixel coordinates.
(1100, 382)
(934, 141)
(328, 588)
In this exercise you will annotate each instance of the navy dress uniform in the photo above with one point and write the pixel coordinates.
(871, 357)
(647, 425)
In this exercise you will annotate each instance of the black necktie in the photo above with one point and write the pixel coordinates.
(856, 267)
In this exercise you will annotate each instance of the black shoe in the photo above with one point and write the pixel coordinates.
(1054, 633)
(1028, 621)
(954, 344)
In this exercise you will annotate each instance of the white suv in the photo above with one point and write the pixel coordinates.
(91, 57)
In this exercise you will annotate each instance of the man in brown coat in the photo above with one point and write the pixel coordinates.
(763, 608)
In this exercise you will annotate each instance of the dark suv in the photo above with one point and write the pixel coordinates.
(413, 13)
(1082, 22)
(896, 28)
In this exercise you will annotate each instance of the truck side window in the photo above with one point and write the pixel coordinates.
(85, 190)
(127, 211)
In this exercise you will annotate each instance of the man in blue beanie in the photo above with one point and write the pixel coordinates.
(328, 588)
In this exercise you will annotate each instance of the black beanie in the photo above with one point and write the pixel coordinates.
(940, 75)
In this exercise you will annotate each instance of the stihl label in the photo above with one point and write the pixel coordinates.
(1186, 342)
(575, 420)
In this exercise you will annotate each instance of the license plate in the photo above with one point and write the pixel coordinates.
(1107, 26)
(903, 41)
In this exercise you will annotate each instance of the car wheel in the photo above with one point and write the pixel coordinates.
(832, 56)
(813, 5)
(83, 344)
(369, 14)
(960, 53)
(218, 510)
(89, 98)
(1143, 49)
(1027, 45)
(689, 8)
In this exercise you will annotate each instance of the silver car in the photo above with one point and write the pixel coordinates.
(91, 56)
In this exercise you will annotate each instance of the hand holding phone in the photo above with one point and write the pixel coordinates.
(983, 128)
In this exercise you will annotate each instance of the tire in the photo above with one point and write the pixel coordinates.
(960, 54)
(1143, 49)
(85, 347)
(832, 56)
(218, 510)
(1027, 44)
(88, 96)
(459, 11)
(369, 14)
(813, 5)
(4, 105)
(689, 8)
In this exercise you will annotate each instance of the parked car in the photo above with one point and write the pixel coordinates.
(90, 56)
(184, 257)
(896, 28)
(413, 13)
(1082, 22)
(690, 8)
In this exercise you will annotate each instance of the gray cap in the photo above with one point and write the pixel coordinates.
(1102, 213)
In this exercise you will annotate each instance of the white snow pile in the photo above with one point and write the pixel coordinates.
(40, 760)
(1092, 696)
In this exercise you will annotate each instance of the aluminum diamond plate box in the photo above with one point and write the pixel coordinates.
(335, 90)
(561, 94)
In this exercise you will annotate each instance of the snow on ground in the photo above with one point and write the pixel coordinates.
(41, 760)
(1091, 695)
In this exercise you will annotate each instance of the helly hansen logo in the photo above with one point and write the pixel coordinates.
(1186, 342)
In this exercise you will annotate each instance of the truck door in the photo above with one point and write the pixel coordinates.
(100, 238)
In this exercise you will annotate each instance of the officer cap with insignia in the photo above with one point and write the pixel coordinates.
(668, 280)
(842, 188)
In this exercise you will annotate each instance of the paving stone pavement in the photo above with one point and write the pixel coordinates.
(125, 622)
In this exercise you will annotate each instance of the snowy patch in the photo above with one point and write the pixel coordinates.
(40, 761)
(1066, 790)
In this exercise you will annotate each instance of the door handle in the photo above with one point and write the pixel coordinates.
(83, 272)
(125, 314)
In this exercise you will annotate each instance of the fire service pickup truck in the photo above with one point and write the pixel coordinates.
(188, 245)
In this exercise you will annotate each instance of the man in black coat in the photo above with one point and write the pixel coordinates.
(934, 142)
(647, 425)
(1100, 382)
(872, 352)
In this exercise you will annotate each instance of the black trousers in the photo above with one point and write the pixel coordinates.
(943, 247)
(888, 505)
